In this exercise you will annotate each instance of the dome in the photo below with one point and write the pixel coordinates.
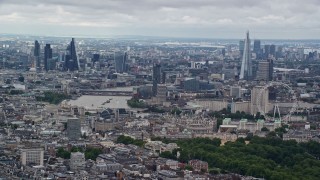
(32, 70)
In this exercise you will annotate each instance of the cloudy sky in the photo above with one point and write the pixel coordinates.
(266, 19)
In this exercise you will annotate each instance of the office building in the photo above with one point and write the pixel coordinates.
(77, 161)
(246, 65)
(156, 78)
(96, 58)
(47, 56)
(191, 85)
(266, 51)
(120, 59)
(71, 60)
(265, 70)
(273, 50)
(73, 128)
(257, 48)
(235, 92)
(259, 100)
(162, 91)
(36, 53)
(32, 157)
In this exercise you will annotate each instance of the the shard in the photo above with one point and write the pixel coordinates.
(246, 65)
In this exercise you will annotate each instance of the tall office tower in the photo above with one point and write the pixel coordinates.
(32, 157)
(156, 78)
(241, 47)
(47, 56)
(71, 60)
(266, 51)
(120, 59)
(246, 65)
(257, 48)
(96, 58)
(259, 98)
(36, 54)
(36, 51)
(161, 92)
(265, 70)
(74, 128)
(279, 53)
(273, 50)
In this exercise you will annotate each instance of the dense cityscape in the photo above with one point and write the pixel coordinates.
(159, 90)
(158, 108)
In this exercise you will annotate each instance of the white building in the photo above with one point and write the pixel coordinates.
(77, 161)
(32, 156)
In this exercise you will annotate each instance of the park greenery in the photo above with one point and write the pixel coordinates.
(136, 103)
(89, 153)
(269, 158)
(52, 97)
(128, 140)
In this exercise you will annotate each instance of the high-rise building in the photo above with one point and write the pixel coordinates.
(259, 99)
(96, 58)
(241, 47)
(47, 56)
(246, 65)
(36, 54)
(257, 48)
(74, 128)
(266, 51)
(156, 78)
(265, 70)
(71, 60)
(162, 91)
(36, 51)
(32, 157)
(120, 59)
(273, 50)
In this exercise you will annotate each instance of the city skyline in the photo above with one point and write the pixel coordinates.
(199, 19)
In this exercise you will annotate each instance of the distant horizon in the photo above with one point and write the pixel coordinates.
(149, 36)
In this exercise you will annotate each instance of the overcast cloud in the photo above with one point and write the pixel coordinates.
(273, 19)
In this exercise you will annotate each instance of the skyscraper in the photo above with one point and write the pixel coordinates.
(47, 56)
(266, 51)
(273, 50)
(36, 54)
(241, 47)
(36, 51)
(96, 58)
(257, 48)
(156, 78)
(246, 65)
(120, 60)
(259, 99)
(265, 70)
(71, 60)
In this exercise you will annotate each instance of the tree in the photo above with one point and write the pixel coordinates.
(92, 153)
(265, 129)
(168, 155)
(63, 154)
(189, 167)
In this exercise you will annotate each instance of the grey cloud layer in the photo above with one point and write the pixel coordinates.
(198, 18)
